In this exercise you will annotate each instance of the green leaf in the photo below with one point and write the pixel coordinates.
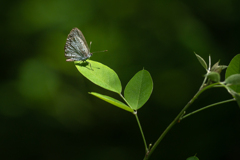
(100, 74)
(218, 68)
(233, 79)
(213, 76)
(113, 101)
(215, 66)
(235, 95)
(234, 68)
(193, 158)
(202, 61)
(139, 89)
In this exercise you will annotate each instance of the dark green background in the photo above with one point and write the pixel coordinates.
(46, 112)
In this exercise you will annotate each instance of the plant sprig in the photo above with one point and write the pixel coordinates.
(139, 89)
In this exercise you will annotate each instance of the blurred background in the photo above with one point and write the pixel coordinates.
(46, 112)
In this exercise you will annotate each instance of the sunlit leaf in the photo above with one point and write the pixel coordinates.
(139, 89)
(100, 74)
(113, 101)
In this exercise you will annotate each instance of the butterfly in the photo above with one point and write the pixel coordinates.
(76, 47)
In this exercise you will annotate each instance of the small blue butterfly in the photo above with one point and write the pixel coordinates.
(76, 47)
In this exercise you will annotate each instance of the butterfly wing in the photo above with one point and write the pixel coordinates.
(76, 48)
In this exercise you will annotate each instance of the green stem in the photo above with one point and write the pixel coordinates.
(203, 83)
(139, 125)
(177, 119)
(125, 100)
(144, 140)
(214, 104)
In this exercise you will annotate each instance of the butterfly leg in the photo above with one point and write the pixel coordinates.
(90, 65)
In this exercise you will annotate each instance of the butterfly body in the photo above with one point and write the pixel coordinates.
(76, 47)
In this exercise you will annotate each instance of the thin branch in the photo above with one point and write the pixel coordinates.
(177, 119)
(211, 105)
(144, 140)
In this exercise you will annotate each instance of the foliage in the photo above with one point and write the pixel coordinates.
(139, 88)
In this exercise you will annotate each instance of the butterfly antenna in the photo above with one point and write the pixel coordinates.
(96, 51)
(90, 66)
(100, 51)
(90, 45)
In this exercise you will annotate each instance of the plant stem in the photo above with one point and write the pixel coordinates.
(144, 140)
(177, 119)
(125, 100)
(214, 104)
(203, 83)
(139, 124)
